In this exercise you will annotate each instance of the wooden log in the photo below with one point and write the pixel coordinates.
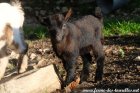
(43, 80)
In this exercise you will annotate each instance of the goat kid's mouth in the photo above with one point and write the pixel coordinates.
(59, 38)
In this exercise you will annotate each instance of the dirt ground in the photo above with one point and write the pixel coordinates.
(121, 70)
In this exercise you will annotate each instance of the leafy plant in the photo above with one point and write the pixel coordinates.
(121, 52)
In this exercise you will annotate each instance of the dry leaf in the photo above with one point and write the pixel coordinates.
(74, 84)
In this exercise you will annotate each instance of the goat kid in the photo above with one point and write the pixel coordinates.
(77, 38)
(11, 34)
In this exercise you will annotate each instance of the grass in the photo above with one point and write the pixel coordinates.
(112, 26)
(37, 32)
(125, 22)
(121, 27)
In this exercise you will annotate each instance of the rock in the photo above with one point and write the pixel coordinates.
(43, 12)
(46, 50)
(137, 58)
(33, 56)
(43, 62)
(13, 55)
(43, 80)
(138, 67)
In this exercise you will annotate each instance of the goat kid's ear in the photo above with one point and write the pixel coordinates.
(68, 15)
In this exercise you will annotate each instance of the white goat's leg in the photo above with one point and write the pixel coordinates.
(23, 63)
(3, 65)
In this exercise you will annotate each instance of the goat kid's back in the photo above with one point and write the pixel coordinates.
(89, 29)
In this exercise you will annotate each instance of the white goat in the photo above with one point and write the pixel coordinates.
(11, 34)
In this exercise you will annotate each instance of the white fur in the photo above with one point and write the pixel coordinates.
(2, 44)
(3, 64)
(13, 15)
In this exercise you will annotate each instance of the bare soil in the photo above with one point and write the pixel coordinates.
(121, 70)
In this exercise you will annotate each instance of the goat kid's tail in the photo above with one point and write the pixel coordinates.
(98, 13)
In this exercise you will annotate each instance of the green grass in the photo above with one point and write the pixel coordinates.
(121, 27)
(38, 32)
(112, 27)
(124, 22)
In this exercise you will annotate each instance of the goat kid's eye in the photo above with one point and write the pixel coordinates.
(64, 26)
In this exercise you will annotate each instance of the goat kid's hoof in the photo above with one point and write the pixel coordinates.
(21, 71)
(98, 80)
(83, 78)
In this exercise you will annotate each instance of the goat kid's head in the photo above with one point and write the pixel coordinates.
(57, 26)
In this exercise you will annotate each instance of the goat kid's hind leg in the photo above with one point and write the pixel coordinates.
(87, 58)
(100, 57)
(3, 62)
(69, 65)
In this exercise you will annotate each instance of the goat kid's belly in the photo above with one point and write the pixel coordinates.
(85, 50)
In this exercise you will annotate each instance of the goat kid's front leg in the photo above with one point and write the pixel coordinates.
(22, 48)
(69, 65)
(23, 61)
